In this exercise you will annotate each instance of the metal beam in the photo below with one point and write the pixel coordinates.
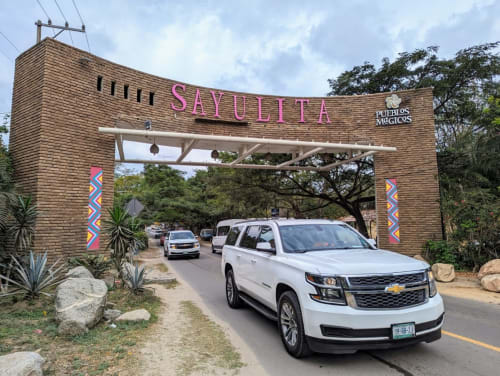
(300, 157)
(119, 143)
(328, 146)
(359, 156)
(186, 148)
(246, 153)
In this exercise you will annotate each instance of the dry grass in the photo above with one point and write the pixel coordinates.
(101, 351)
(205, 345)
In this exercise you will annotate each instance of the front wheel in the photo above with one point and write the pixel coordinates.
(232, 294)
(291, 325)
(213, 249)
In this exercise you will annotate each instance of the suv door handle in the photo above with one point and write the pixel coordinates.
(238, 256)
(254, 261)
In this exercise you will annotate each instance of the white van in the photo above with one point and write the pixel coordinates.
(221, 232)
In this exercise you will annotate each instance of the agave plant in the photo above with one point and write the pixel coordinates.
(24, 213)
(120, 236)
(96, 264)
(34, 277)
(136, 278)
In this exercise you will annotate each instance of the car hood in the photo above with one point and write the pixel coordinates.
(354, 261)
(179, 241)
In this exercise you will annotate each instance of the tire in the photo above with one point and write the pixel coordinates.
(291, 326)
(197, 256)
(213, 249)
(232, 294)
(167, 254)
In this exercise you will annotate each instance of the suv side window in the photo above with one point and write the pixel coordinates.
(267, 236)
(222, 230)
(233, 236)
(250, 237)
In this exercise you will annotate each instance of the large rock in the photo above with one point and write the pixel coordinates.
(135, 316)
(80, 302)
(491, 267)
(79, 272)
(443, 272)
(491, 282)
(21, 364)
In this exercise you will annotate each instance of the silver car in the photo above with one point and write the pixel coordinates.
(181, 243)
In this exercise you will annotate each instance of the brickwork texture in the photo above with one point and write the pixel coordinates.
(57, 109)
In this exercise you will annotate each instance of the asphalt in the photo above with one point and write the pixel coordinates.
(448, 356)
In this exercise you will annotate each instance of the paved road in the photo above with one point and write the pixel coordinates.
(448, 356)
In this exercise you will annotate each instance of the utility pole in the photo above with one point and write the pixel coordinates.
(39, 25)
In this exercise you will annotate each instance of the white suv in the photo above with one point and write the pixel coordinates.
(329, 288)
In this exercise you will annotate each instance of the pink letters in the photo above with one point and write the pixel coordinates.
(235, 101)
(280, 110)
(322, 112)
(198, 102)
(302, 101)
(216, 102)
(260, 119)
(179, 97)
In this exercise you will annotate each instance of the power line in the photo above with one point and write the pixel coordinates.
(8, 57)
(83, 24)
(8, 40)
(66, 20)
(46, 14)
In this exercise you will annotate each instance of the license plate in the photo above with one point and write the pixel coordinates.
(400, 331)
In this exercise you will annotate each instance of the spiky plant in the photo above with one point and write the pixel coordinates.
(96, 264)
(136, 278)
(120, 236)
(34, 277)
(23, 212)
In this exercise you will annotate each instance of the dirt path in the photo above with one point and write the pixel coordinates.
(468, 288)
(188, 339)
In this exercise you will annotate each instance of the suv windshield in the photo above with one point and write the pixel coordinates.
(320, 237)
(181, 235)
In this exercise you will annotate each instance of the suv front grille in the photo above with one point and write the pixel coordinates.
(185, 245)
(384, 280)
(385, 300)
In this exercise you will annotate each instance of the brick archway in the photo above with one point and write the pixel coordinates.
(62, 95)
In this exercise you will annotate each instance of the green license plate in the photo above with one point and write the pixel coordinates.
(401, 331)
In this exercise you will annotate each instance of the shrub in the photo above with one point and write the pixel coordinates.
(136, 278)
(34, 277)
(142, 239)
(440, 251)
(96, 264)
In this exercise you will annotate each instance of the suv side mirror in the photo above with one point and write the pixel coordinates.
(372, 242)
(265, 247)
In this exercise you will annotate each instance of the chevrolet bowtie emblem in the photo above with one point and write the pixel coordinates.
(395, 288)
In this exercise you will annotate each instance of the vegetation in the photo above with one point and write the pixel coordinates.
(30, 325)
(97, 265)
(136, 278)
(33, 278)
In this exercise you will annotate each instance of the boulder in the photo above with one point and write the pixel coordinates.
(135, 316)
(491, 282)
(419, 258)
(80, 302)
(79, 272)
(21, 364)
(112, 314)
(443, 272)
(491, 267)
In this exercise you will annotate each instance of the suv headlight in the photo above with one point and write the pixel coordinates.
(173, 246)
(432, 284)
(197, 245)
(328, 289)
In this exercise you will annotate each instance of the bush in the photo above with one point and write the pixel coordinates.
(96, 264)
(143, 240)
(440, 251)
(136, 278)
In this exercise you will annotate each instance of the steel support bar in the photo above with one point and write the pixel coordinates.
(186, 148)
(119, 143)
(305, 155)
(246, 153)
(359, 156)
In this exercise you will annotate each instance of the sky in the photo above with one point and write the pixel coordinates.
(271, 47)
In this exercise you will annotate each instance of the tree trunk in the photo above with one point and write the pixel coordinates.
(360, 222)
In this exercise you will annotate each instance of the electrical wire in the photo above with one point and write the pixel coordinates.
(83, 24)
(8, 40)
(9, 58)
(66, 20)
(46, 14)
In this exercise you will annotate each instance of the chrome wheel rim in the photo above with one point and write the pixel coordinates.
(289, 324)
(229, 288)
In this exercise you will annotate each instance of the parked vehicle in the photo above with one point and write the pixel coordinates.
(163, 236)
(206, 234)
(221, 232)
(329, 288)
(181, 243)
